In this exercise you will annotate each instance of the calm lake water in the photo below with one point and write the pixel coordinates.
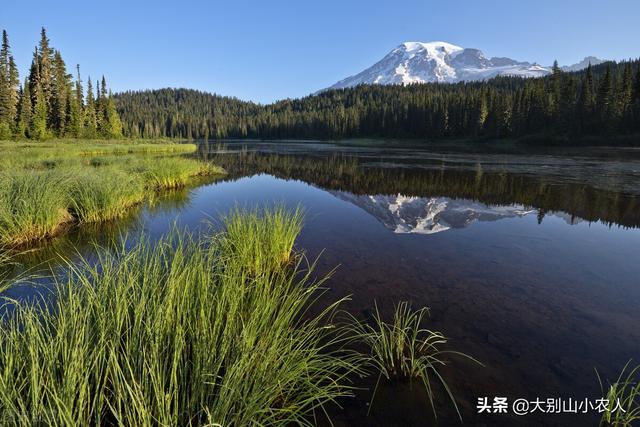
(528, 259)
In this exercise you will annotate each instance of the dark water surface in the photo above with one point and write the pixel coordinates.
(528, 260)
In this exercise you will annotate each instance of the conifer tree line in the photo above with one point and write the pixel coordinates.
(601, 100)
(49, 103)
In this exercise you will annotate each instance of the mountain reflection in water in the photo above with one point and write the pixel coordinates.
(440, 186)
(422, 215)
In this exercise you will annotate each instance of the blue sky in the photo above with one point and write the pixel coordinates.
(268, 50)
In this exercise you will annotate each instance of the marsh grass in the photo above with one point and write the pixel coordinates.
(625, 392)
(176, 333)
(44, 186)
(96, 197)
(404, 350)
(262, 239)
(170, 172)
(32, 205)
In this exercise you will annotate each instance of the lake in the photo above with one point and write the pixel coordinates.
(527, 258)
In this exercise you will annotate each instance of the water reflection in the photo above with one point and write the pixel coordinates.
(433, 184)
(422, 215)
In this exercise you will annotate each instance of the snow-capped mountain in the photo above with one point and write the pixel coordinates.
(584, 64)
(417, 62)
(428, 215)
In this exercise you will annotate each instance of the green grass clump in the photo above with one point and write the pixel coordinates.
(262, 239)
(404, 350)
(623, 396)
(38, 155)
(96, 197)
(45, 185)
(171, 172)
(174, 333)
(32, 205)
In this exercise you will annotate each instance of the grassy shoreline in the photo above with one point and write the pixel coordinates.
(187, 331)
(44, 187)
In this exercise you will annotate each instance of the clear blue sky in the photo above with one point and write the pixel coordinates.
(267, 50)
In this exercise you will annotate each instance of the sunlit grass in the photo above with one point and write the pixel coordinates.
(96, 197)
(171, 172)
(45, 185)
(178, 332)
(262, 239)
(623, 398)
(404, 350)
(32, 205)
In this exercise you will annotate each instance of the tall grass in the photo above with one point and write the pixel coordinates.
(178, 333)
(262, 239)
(170, 172)
(96, 197)
(623, 396)
(32, 205)
(45, 185)
(404, 350)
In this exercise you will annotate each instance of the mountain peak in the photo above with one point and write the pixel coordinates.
(430, 46)
(443, 62)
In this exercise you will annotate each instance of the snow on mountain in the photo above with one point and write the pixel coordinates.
(584, 64)
(442, 62)
(428, 215)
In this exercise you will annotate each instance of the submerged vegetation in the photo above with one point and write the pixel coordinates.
(180, 332)
(404, 350)
(45, 186)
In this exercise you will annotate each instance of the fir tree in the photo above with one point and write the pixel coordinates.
(9, 86)
(46, 71)
(76, 110)
(587, 101)
(90, 121)
(34, 75)
(112, 119)
(24, 111)
(101, 109)
(38, 126)
(60, 95)
(605, 99)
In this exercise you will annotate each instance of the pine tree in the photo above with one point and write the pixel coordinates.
(46, 72)
(101, 109)
(9, 85)
(34, 75)
(60, 95)
(90, 121)
(605, 99)
(555, 87)
(112, 119)
(38, 126)
(76, 110)
(587, 101)
(24, 111)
